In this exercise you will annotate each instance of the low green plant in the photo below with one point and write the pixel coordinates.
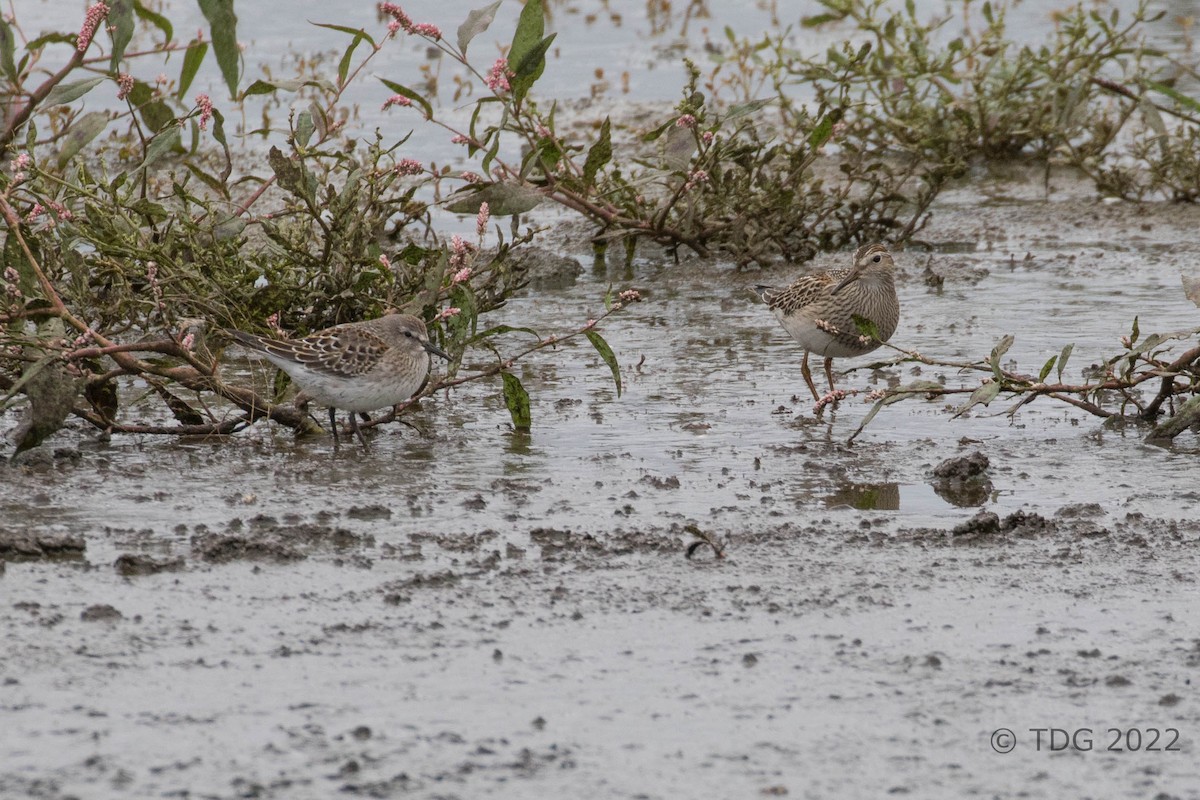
(135, 236)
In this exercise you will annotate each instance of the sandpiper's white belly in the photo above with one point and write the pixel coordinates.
(805, 331)
(379, 388)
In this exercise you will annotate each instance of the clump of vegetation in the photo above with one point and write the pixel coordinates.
(1112, 390)
(135, 236)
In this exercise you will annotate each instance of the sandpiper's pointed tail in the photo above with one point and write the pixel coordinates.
(765, 292)
(253, 341)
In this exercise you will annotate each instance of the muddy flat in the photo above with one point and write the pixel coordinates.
(470, 612)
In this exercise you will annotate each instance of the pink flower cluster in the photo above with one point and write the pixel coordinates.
(460, 139)
(498, 75)
(20, 163)
(409, 166)
(833, 397)
(12, 283)
(685, 121)
(460, 253)
(385, 261)
(206, 110)
(630, 295)
(481, 221)
(695, 179)
(91, 22)
(396, 100)
(124, 85)
(706, 137)
(447, 313)
(402, 22)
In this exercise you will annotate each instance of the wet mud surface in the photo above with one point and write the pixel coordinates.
(468, 612)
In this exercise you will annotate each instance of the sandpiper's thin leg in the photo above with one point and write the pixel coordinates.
(333, 425)
(357, 432)
(829, 374)
(808, 376)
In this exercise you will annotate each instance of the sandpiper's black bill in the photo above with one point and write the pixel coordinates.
(437, 351)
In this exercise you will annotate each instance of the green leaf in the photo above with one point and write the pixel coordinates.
(998, 352)
(50, 38)
(160, 145)
(267, 87)
(67, 92)
(463, 298)
(503, 199)
(530, 68)
(8, 46)
(531, 27)
(304, 128)
(192, 59)
(149, 209)
(218, 128)
(155, 19)
(606, 353)
(866, 327)
(1062, 360)
(1135, 333)
(344, 64)
(502, 329)
(820, 19)
(1179, 97)
(598, 155)
(476, 23)
(517, 400)
(1149, 343)
(223, 31)
(289, 173)
(985, 394)
(1049, 365)
(81, 133)
(404, 91)
(120, 19)
(357, 33)
(745, 109)
(823, 130)
(211, 181)
(659, 131)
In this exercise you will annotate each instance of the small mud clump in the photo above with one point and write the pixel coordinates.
(131, 564)
(101, 612)
(963, 481)
(982, 524)
(22, 544)
(218, 549)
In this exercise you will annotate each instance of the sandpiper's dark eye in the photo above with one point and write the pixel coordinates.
(408, 334)
(877, 259)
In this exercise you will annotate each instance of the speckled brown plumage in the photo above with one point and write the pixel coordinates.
(357, 367)
(818, 310)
